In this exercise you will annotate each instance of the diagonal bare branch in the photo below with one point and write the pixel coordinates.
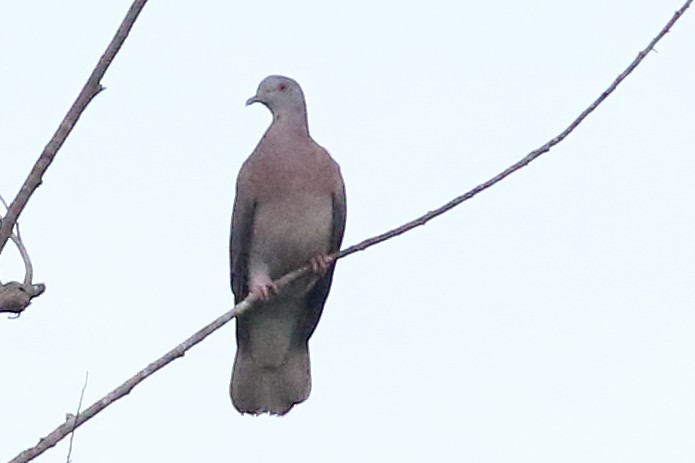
(124, 389)
(529, 157)
(91, 89)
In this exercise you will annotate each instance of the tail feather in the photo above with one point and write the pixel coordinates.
(257, 389)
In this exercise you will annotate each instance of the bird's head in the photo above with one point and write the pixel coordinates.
(280, 94)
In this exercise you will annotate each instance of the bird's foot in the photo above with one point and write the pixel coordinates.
(263, 288)
(263, 292)
(320, 264)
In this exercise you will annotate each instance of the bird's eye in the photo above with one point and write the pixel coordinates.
(282, 87)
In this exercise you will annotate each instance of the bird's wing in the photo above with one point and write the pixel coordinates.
(240, 240)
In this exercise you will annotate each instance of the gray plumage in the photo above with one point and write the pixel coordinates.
(289, 210)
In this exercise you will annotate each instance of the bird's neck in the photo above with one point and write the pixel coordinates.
(294, 121)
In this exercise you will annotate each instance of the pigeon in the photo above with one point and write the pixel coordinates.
(289, 211)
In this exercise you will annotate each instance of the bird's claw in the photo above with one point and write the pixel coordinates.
(264, 291)
(320, 264)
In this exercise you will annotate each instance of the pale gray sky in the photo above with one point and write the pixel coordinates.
(549, 319)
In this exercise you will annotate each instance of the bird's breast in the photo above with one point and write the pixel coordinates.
(290, 230)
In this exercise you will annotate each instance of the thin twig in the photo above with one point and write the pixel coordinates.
(74, 417)
(124, 389)
(4, 203)
(29, 269)
(15, 296)
(91, 89)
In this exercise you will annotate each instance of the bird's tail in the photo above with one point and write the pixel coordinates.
(257, 389)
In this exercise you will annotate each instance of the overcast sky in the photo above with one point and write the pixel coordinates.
(549, 319)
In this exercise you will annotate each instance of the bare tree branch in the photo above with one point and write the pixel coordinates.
(529, 157)
(64, 429)
(15, 296)
(91, 89)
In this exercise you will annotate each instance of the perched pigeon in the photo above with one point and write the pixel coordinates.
(289, 211)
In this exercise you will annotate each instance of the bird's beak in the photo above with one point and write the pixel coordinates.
(252, 100)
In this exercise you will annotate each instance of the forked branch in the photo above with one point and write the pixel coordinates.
(91, 89)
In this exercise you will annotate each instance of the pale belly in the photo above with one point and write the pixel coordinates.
(289, 232)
